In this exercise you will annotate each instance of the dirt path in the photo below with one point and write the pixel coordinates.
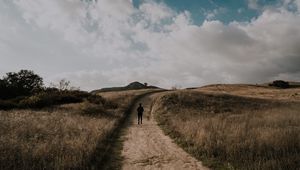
(146, 146)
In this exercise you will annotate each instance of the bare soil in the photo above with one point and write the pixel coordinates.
(147, 147)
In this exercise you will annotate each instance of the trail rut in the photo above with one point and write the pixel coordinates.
(147, 147)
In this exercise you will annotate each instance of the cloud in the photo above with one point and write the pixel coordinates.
(155, 12)
(210, 15)
(110, 43)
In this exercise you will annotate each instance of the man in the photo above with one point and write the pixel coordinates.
(140, 111)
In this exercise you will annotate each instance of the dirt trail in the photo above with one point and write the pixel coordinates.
(146, 146)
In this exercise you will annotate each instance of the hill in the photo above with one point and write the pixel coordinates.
(234, 126)
(132, 86)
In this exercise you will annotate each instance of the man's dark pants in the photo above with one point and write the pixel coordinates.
(140, 118)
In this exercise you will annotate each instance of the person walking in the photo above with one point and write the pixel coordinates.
(140, 111)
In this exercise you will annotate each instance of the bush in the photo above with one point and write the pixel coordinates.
(7, 104)
(96, 99)
(32, 101)
(280, 84)
(110, 104)
(46, 99)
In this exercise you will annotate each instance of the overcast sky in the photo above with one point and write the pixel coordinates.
(167, 43)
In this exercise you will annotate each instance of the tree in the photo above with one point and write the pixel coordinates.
(64, 85)
(22, 83)
(3, 89)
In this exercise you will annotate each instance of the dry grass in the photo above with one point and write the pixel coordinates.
(255, 91)
(71, 136)
(49, 140)
(123, 98)
(232, 132)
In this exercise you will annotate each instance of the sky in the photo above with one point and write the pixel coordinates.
(167, 43)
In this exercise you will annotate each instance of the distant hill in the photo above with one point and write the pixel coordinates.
(132, 86)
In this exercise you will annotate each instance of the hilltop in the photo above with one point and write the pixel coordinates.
(132, 86)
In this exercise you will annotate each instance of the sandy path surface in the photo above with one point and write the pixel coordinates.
(147, 147)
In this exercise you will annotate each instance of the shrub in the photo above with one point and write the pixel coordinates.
(280, 84)
(7, 104)
(110, 104)
(46, 99)
(33, 101)
(96, 99)
(67, 98)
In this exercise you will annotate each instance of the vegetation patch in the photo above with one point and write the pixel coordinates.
(280, 84)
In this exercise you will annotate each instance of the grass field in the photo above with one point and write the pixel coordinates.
(124, 97)
(236, 127)
(70, 136)
(49, 139)
(265, 92)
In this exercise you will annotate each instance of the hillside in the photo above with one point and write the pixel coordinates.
(254, 91)
(234, 126)
(132, 86)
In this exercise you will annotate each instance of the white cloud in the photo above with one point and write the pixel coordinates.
(210, 15)
(155, 12)
(111, 43)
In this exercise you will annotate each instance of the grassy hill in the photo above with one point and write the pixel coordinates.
(255, 91)
(235, 126)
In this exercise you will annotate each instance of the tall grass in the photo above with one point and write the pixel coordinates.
(49, 140)
(255, 91)
(124, 98)
(229, 132)
(70, 136)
